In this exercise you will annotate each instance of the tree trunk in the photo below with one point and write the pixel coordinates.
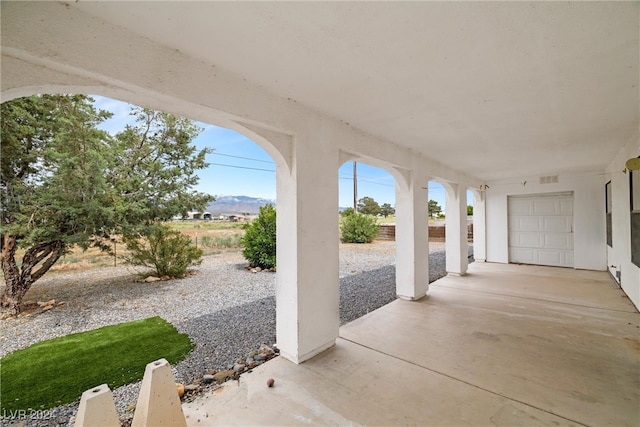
(19, 280)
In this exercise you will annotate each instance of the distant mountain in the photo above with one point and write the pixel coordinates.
(238, 205)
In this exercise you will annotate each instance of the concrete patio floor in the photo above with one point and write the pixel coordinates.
(505, 345)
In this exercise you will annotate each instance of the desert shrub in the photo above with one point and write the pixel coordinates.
(259, 240)
(207, 241)
(347, 212)
(168, 251)
(230, 241)
(358, 228)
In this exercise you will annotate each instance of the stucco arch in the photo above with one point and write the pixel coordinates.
(277, 144)
(400, 175)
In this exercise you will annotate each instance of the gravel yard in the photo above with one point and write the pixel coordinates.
(226, 310)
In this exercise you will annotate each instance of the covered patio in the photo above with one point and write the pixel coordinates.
(506, 345)
(533, 106)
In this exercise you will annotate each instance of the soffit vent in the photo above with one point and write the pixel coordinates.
(551, 179)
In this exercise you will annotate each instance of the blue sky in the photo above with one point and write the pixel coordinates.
(240, 167)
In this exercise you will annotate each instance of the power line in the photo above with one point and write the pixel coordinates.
(242, 167)
(240, 157)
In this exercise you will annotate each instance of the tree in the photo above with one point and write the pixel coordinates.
(260, 239)
(469, 210)
(434, 208)
(66, 183)
(368, 206)
(386, 209)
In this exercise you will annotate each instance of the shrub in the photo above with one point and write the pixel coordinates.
(347, 212)
(260, 239)
(358, 228)
(168, 251)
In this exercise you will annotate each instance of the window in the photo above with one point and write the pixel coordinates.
(634, 192)
(608, 204)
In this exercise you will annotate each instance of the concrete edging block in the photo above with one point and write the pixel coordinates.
(158, 402)
(97, 408)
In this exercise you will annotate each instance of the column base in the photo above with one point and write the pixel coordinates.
(408, 298)
(303, 358)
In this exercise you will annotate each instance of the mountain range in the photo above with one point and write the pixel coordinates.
(238, 205)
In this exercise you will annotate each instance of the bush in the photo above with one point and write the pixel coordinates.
(347, 212)
(358, 228)
(260, 239)
(168, 251)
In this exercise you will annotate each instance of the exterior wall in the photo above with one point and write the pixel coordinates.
(589, 217)
(619, 256)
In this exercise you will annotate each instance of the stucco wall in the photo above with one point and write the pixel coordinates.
(619, 256)
(589, 217)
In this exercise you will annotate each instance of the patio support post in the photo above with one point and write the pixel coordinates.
(412, 239)
(456, 230)
(307, 281)
(479, 227)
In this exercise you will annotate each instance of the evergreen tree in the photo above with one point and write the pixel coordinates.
(368, 206)
(65, 182)
(386, 209)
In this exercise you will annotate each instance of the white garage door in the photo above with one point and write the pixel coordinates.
(541, 229)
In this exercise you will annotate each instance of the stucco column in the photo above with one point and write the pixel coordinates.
(307, 289)
(479, 227)
(456, 230)
(412, 239)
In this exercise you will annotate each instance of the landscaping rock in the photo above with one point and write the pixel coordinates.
(266, 350)
(47, 303)
(191, 387)
(152, 279)
(180, 389)
(239, 367)
(222, 376)
(207, 378)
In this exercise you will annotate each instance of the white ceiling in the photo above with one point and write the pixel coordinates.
(495, 89)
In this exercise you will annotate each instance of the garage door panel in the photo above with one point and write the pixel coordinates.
(550, 257)
(525, 223)
(568, 257)
(519, 207)
(558, 224)
(545, 207)
(557, 241)
(526, 239)
(523, 255)
(541, 229)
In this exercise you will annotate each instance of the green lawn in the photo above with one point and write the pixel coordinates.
(57, 371)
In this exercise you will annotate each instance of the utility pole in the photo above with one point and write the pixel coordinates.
(355, 187)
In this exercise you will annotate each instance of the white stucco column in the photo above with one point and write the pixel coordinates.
(307, 289)
(456, 230)
(412, 239)
(479, 227)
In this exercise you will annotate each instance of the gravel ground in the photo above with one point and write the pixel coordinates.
(226, 310)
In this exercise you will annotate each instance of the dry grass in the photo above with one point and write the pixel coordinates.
(219, 236)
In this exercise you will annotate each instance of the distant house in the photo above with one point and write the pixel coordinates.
(195, 215)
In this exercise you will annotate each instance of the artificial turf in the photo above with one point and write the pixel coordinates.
(57, 371)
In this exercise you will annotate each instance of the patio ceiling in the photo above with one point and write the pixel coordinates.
(493, 89)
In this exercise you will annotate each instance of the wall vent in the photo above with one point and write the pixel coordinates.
(551, 179)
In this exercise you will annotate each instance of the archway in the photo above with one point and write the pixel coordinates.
(131, 306)
(367, 270)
